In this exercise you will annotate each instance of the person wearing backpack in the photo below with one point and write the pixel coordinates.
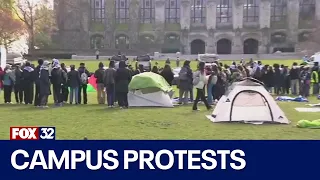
(101, 96)
(84, 76)
(199, 82)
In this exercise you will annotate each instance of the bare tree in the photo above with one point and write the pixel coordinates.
(26, 10)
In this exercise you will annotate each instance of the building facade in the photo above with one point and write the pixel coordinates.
(188, 26)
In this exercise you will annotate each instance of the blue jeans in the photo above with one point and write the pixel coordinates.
(74, 92)
(209, 92)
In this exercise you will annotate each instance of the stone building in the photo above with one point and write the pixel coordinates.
(188, 26)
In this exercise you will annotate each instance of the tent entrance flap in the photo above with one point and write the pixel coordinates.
(249, 105)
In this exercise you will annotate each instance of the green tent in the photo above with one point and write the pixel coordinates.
(149, 90)
(149, 80)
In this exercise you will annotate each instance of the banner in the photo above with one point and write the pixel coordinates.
(152, 160)
(3, 57)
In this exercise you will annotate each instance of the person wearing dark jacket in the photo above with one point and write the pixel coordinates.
(36, 75)
(101, 96)
(294, 77)
(278, 81)
(139, 69)
(167, 74)
(122, 79)
(269, 79)
(185, 82)
(84, 75)
(155, 69)
(74, 83)
(57, 81)
(109, 83)
(286, 80)
(64, 88)
(18, 87)
(28, 80)
(305, 81)
(44, 84)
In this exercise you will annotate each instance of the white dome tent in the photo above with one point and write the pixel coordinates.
(248, 101)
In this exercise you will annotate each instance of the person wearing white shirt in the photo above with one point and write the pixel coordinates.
(199, 82)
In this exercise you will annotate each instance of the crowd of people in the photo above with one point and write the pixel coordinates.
(279, 79)
(33, 84)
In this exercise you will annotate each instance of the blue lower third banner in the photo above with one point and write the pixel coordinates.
(177, 160)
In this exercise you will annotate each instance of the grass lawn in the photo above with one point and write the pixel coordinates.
(98, 122)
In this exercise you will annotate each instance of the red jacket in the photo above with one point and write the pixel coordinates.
(1, 78)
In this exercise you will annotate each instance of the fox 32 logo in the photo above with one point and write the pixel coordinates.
(32, 133)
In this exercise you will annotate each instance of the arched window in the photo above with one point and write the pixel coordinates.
(198, 11)
(122, 42)
(307, 9)
(173, 11)
(278, 10)
(98, 8)
(147, 11)
(122, 11)
(251, 11)
(224, 11)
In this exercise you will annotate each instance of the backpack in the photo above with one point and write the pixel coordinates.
(84, 78)
(183, 74)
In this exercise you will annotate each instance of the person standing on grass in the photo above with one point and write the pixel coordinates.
(8, 83)
(167, 74)
(122, 80)
(305, 81)
(74, 83)
(286, 80)
(28, 80)
(84, 76)
(64, 88)
(44, 84)
(37, 93)
(277, 79)
(185, 82)
(18, 86)
(97, 54)
(178, 62)
(109, 83)
(199, 82)
(57, 81)
(294, 78)
(101, 96)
